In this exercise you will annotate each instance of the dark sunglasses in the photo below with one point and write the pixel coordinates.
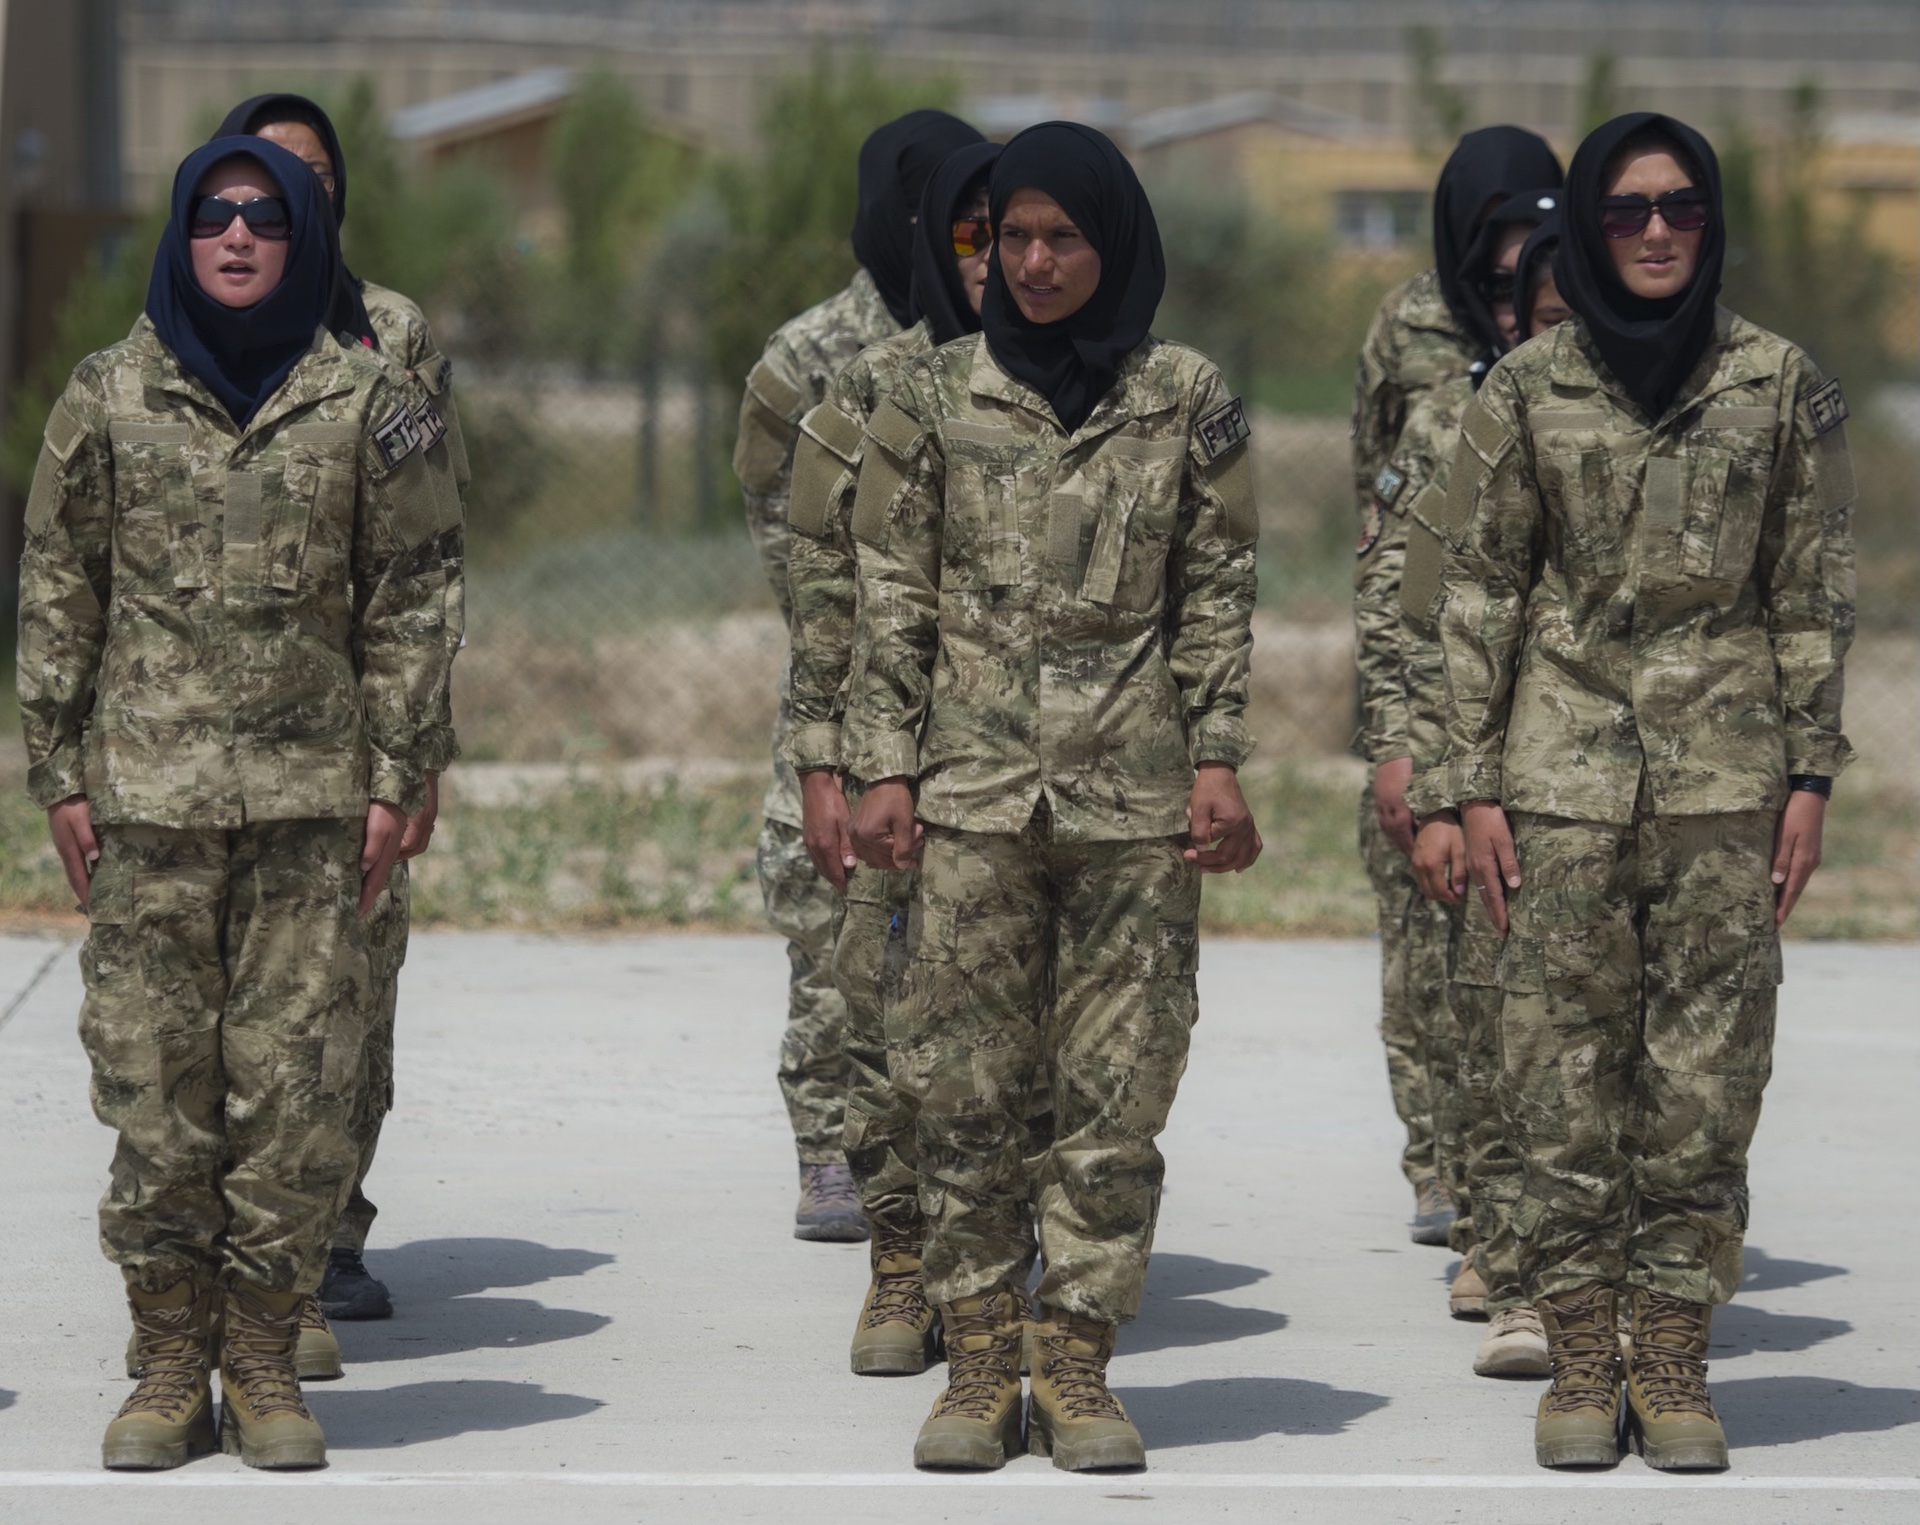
(265, 216)
(971, 235)
(1685, 211)
(1498, 287)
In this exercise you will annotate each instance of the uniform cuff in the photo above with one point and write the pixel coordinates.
(814, 745)
(396, 782)
(59, 776)
(893, 756)
(1474, 778)
(1427, 792)
(438, 749)
(1824, 753)
(1219, 739)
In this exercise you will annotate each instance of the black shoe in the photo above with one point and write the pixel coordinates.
(349, 1291)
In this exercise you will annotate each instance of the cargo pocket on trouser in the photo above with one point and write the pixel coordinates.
(116, 1021)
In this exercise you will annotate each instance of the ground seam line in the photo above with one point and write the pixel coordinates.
(33, 984)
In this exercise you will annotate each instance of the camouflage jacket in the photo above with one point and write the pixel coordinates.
(1413, 346)
(1675, 597)
(822, 572)
(401, 328)
(1053, 614)
(791, 377)
(221, 625)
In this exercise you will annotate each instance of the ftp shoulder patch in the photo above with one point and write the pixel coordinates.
(398, 437)
(1388, 486)
(1827, 407)
(1222, 429)
(431, 426)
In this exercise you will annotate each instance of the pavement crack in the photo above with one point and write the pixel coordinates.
(33, 984)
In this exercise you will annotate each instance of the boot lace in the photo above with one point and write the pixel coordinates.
(982, 1361)
(1669, 1355)
(899, 1297)
(827, 1186)
(1079, 1381)
(1584, 1352)
(173, 1360)
(259, 1360)
(310, 1315)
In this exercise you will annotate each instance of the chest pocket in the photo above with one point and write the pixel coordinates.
(1133, 490)
(980, 548)
(1579, 489)
(1726, 493)
(305, 530)
(159, 533)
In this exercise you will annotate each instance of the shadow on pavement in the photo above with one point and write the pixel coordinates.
(1176, 1311)
(421, 1411)
(1760, 1272)
(436, 1312)
(7, 1396)
(1777, 1411)
(1740, 1330)
(1229, 1409)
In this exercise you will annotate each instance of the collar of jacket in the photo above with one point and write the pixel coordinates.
(1577, 364)
(321, 372)
(1132, 395)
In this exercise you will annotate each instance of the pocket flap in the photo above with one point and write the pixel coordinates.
(785, 399)
(897, 431)
(835, 430)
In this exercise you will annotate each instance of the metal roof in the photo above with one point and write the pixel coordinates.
(455, 116)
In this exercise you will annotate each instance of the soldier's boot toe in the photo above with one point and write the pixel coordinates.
(316, 1354)
(897, 1332)
(168, 1418)
(829, 1211)
(349, 1291)
(976, 1424)
(1671, 1421)
(1467, 1296)
(1073, 1416)
(264, 1420)
(1433, 1214)
(1515, 1346)
(1578, 1421)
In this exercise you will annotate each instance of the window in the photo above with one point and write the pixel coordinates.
(1380, 219)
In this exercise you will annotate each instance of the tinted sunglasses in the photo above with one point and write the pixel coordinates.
(1685, 211)
(1498, 287)
(265, 216)
(971, 235)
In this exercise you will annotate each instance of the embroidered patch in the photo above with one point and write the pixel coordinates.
(1826, 407)
(1387, 486)
(1373, 520)
(397, 438)
(1223, 428)
(432, 427)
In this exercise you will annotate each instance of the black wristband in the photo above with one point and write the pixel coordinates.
(1810, 783)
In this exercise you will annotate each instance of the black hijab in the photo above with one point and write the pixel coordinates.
(1650, 344)
(243, 354)
(346, 311)
(1536, 256)
(896, 162)
(939, 295)
(1073, 363)
(1488, 164)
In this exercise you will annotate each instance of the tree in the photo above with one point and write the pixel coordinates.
(1599, 93)
(1440, 108)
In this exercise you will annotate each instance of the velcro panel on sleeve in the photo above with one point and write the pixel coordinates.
(44, 496)
(415, 498)
(1420, 575)
(835, 430)
(1481, 432)
(897, 430)
(817, 474)
(782, 398)
(1833, 471)
(435, 373)
(64, 432)
(881, 478)
(1232, 479)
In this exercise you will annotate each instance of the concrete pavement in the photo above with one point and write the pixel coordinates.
(586, 1196)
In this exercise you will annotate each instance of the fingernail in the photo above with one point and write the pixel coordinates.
(1779, 878)
(1513, 882)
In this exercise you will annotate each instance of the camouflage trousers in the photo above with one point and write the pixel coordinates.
(1414, 1023)
(226, 1010)
(869, 962)
(1636, 1037)
(1030, 956)
(803, 908)
(387, 927)
(1481, 1168)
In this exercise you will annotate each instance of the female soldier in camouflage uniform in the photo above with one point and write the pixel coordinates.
(232, 633)
(1647, 598)
(1056, 531)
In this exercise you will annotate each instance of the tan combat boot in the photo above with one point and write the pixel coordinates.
(168, 1418)
(897, 1334)
(1515, 1345)
(1467, 1297)
(1670, 1414)
(263, 1419)
(975, 1424)
(316, 1358)
(1073, 1417)
(1578, 1423)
